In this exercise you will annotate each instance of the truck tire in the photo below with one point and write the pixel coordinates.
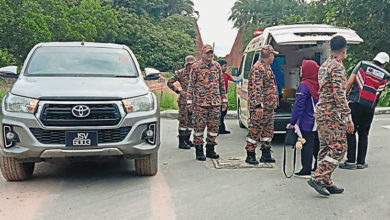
(16, 171)
(147, 166)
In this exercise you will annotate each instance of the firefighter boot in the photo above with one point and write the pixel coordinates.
(188, 141)
(251, 158)
(266, 155)
(199, 155)
(210, 151)
(182, 141)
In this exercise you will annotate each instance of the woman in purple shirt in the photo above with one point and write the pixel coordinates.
(303, 115)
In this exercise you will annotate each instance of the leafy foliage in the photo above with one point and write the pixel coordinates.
(263, 13)
(3, 91)
(160, 32)
(168, 75)
(232, 96)
(157, 8)
(385, 97)
(6, 58)
(168, 101)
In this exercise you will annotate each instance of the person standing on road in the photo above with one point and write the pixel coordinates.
(263, 100)
(205, 96)
(227, 77)
(333, 117)
(303, 114)
(185, 117)
(367, 81)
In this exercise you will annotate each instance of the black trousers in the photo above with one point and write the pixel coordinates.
(310, 149)
(362, 117)
(222, 126)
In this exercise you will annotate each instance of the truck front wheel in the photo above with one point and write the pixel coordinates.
(16, 171)
(147, 166)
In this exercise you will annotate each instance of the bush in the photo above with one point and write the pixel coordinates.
(384, 100)
(168, 101)
(168, 75)
(2, 93)
(6, 58)
(232, 96)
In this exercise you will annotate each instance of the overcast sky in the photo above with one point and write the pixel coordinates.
(214, 25)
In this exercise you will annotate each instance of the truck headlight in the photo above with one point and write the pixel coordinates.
(15, 103)
(138, 104)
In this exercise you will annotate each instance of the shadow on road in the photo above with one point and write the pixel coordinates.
(84, 170)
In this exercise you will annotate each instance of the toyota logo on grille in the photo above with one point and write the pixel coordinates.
(81, 111)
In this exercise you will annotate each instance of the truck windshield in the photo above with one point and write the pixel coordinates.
(81, 61)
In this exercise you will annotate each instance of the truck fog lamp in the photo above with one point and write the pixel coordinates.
(149, 133)
(11, 136)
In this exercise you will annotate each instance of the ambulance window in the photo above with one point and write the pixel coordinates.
(242, 63)
(248, 64)
(257, 56)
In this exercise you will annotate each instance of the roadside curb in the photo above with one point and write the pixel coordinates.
(382, 110)
(232, 114)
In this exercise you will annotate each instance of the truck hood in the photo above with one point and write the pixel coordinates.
(79, 87)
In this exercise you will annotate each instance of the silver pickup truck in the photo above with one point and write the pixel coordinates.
(78, 100)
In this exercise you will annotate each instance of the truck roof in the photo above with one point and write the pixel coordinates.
(80, 43)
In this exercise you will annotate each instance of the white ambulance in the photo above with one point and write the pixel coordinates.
(294, 43)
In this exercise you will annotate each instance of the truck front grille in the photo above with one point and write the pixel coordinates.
(61, 115)
(58, 137)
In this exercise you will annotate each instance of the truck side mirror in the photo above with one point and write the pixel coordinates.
(9, 72)
(151, 74)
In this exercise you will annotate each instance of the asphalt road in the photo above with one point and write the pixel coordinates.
(188, 189)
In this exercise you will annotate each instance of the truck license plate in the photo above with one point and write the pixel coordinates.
(81, 138)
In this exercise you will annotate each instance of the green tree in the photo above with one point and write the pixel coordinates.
(316, 12)
(264, 13)
(25, 27)
(160, 32)
(250, 15)
(157, 43)
(291, 19)
(369, 18)
(180, 7)
(28, 22)
(157, 8)
(90, 21)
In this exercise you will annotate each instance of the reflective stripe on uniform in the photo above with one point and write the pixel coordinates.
(182, 129)
(334, 161)
(198, 134)
(266, 139)
(189, 129)
(212, 134)
(224, 100)
(251, 140)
